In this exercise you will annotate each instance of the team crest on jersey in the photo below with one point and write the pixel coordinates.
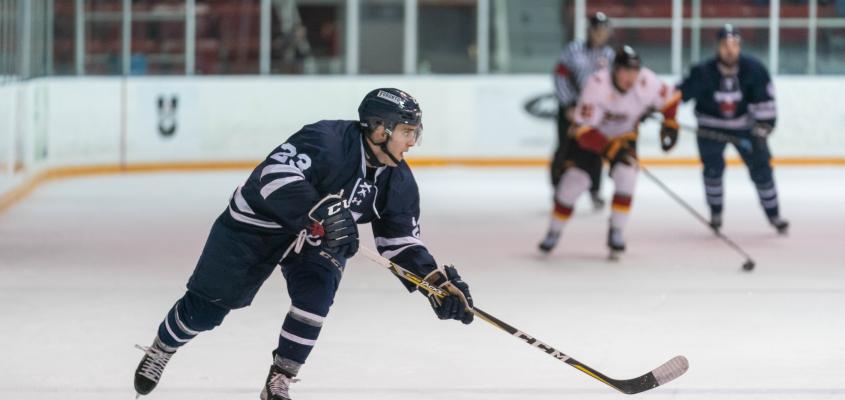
(362, 200)
(610, 117)
(728, 96)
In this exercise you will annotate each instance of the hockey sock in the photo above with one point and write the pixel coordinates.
(187, 318)
(299, 335)
(560, 215)
(620, 207)
(768, 198)
(574, 182)
(714, 191)
(625, 180)
(173, 331)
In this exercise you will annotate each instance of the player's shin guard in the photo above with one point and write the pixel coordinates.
(190, 315)
(714, 192)
(768, 198)
(625, 180)
(299, 335)
(620, 207)
(574, 182)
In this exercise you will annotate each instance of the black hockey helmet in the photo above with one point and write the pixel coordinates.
(389, 107)
(599, 19)
(626, 57)
(728, 31)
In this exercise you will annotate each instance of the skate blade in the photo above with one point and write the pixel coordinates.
(614, 255)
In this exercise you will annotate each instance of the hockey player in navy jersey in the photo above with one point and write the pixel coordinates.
(734, 95)
(299, 209)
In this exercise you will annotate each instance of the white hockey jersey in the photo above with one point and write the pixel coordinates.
(602, 106)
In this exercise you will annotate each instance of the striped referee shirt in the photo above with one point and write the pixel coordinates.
(575, 64)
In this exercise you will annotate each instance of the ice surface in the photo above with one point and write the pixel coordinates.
(88, 267)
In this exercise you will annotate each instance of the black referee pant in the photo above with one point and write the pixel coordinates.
(564, 143)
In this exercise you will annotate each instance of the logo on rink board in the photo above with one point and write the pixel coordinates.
(167, 117)
(543, 106)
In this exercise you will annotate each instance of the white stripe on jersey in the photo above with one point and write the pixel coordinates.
(276, 184)
(384, 242)
(763, 110)
(280, 168)
(393, 253)
(241, 203)
(739, 123)
(252, 221)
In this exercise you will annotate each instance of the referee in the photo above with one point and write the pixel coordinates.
(577, 62)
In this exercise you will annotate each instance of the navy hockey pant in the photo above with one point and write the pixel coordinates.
(233, 266)
(757, 159)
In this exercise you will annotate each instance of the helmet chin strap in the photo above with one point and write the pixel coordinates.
(371, 156)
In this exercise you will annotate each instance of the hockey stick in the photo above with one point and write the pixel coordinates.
(742, 143)
(749, 263)
(661, 375)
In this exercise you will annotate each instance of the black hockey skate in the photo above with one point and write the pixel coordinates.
(780, 224)
(277, 385)
(151, 367)
(616, 243)
(549, 242)
(716, 222)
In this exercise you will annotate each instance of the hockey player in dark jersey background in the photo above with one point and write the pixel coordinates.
(734, 95)
(577, 62)
(299, 209)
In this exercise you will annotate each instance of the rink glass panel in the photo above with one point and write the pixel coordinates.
(382, 36)
(103, 29)
(447, 37)
(85, 37)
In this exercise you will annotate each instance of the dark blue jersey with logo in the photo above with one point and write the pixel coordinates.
(731, 102)
(324, 158)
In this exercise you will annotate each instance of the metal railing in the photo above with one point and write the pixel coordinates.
(27, 36)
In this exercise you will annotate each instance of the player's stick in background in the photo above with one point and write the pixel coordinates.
(661, 375)
(748, 265)
(739, 142)
(742, 143)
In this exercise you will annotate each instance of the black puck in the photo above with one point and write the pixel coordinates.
(748, 266)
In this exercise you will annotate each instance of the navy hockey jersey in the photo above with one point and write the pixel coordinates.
(324, 158)
(732, 102)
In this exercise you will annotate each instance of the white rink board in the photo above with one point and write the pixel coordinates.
(84, 121)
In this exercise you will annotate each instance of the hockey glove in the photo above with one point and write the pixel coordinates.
(668, 134)
(458, 304)
(621, 149)
(333, 224)
(762, 130)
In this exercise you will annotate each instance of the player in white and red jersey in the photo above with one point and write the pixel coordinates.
(607, 117)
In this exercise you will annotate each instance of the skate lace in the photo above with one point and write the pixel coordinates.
(154, 363)
(280, 384)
